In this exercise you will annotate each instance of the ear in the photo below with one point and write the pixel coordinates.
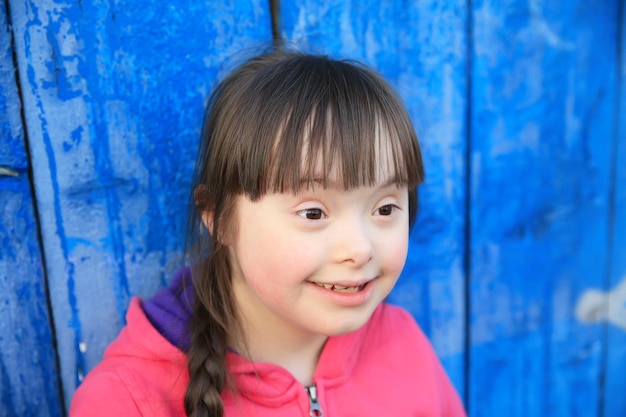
(207, 220)
(207, 213)
(224, 236)
(202, 204)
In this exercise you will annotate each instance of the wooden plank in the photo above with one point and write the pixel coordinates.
(28, 373)
(420, 48)
(543, 95)
(114, 93)
(614, 398)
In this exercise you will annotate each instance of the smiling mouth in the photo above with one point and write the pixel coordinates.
(340, 288)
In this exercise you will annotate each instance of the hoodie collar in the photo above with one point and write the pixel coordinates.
(273, 385)
(170, 311)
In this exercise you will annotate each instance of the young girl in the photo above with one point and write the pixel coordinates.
(305, 192)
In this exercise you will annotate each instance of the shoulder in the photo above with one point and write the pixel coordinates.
(395, 332)
(104, 393)
(141, 374)
(395, 350)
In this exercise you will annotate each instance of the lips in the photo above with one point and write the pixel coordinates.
(341, 288)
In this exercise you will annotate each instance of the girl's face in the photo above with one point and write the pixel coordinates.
(317, 262)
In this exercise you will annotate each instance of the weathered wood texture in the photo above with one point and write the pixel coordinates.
(420, 48)
(28, 374)
(544, 87)
(614, 403)
(523, 210)
(114, 94)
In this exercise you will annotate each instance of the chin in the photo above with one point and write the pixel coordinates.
(349, 324)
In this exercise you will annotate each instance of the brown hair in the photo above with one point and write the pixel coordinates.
(261, 120)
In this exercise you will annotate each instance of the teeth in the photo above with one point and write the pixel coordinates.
(339, 288)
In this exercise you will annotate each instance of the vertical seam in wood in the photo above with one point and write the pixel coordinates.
(31, 183)
(467, 255)
(275, 21)
(612, 201)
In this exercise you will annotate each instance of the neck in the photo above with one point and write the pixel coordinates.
(297, 355)
(270, 339)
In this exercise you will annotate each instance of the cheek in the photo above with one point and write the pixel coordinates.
(269, 259)
(258, 273)
(395, 251)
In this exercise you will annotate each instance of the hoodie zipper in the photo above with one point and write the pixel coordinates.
(315, 409)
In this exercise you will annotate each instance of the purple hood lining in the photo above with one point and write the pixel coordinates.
(171, 308)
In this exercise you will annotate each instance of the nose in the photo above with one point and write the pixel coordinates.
(354, 243)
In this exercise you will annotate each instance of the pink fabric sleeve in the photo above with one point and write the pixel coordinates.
(103, 394)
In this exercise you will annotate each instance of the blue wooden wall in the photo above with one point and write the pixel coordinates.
(517, 267)
(543, 115)
(29, 383)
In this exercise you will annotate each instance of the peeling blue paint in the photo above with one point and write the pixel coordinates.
(74, 322)
(12, 153)
(125, 85)
(75, 139)
(113, 97)
(5, 394)
(29, 384)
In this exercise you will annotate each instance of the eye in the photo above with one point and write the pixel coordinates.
(385, 210)
(312, 214)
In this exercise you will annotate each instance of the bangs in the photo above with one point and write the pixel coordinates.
(285, 120)
(325, 121)
(327, 152)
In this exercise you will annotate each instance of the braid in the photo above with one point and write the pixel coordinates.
(206, 372)
(213, 317)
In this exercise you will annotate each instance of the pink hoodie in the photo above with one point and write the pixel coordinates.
(387, 368)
